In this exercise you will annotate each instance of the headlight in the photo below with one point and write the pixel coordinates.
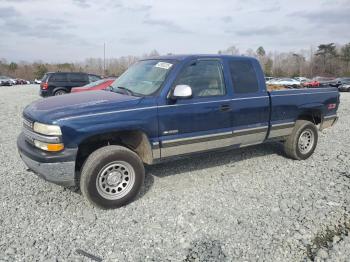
(48, 147)
(44, 129)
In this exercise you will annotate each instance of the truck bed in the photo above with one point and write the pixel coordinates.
(289, 104)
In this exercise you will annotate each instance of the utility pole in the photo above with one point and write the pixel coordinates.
(104, 59)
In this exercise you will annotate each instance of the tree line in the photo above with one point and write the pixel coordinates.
(36, 70)
(327, 60)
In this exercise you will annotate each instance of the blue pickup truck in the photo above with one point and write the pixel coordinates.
(163, 108)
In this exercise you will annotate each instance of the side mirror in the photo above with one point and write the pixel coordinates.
(182, 91)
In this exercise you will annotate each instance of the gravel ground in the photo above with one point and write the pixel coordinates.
(247, 204)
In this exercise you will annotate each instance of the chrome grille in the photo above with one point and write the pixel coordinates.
(28, 124)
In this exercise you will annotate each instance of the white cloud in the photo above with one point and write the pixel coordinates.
(72, 30)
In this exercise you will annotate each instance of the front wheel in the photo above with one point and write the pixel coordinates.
(302, 142)
(111, 177)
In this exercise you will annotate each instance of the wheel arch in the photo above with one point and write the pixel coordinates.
(313, 115)
(135, 140)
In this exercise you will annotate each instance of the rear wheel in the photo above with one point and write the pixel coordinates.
(302, 142)
(111, 177)
(60, 92)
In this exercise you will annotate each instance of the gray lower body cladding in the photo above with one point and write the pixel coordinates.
(239, 138)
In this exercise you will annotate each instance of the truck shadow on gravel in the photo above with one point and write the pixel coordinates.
(208, 160)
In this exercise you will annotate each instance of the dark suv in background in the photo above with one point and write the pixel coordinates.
(61, 83)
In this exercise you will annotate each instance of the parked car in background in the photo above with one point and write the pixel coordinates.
(22, 82)
(341, 81)
(290, 82)
(325, 81)
(97, 85)
(344, 88)
(14, 81)
(268, 78)
(6, 81)
(37, 81)
(311, 83)
(301, 79)
(61, 83)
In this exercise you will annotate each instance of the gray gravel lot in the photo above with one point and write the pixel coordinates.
(249, 204)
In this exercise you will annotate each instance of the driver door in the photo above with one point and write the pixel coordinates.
(202, 122)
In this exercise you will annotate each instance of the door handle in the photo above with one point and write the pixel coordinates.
(225, 108)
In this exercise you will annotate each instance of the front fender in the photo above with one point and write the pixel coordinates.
(78, 129)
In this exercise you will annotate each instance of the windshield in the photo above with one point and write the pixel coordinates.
(143, 78)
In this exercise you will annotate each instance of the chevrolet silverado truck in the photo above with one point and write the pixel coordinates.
(163, 108)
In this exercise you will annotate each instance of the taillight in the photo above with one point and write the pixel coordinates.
(44, 85)
(332, 106)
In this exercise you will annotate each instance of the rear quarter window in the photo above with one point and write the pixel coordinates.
(60, 77)
(45, 77)
(243, 77)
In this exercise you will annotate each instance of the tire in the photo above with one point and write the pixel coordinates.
(111, 177)
(60, 92)
(302, 142)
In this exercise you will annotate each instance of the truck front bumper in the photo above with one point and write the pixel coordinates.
(58, 168)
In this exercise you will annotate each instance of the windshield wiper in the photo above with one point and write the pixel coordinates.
(122, 90)
(130, 92)
(109, 88)
(113, 89)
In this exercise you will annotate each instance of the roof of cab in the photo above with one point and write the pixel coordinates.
(184, 57)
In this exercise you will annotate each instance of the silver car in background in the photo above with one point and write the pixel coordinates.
(6, 81)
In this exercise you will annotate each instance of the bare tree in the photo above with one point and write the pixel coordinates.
(232, 50)
(345, 56)
(329, 59)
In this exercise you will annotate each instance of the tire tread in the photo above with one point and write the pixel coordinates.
(291, 144)
(96, 157)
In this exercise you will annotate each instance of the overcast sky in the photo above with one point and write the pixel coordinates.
(72, 30)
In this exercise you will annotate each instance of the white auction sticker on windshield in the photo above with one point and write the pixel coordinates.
(163, 65)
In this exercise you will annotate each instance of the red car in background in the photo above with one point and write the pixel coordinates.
(97, 85)
(311, 83)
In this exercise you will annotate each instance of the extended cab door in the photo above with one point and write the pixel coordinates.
(202, 122)
(250, 104)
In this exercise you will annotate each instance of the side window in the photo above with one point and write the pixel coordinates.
(93, 78)
(77, 77)
(243, 77)
(59, 77)
(204, 77)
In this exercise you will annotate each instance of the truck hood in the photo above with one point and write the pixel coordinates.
(52, 109)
